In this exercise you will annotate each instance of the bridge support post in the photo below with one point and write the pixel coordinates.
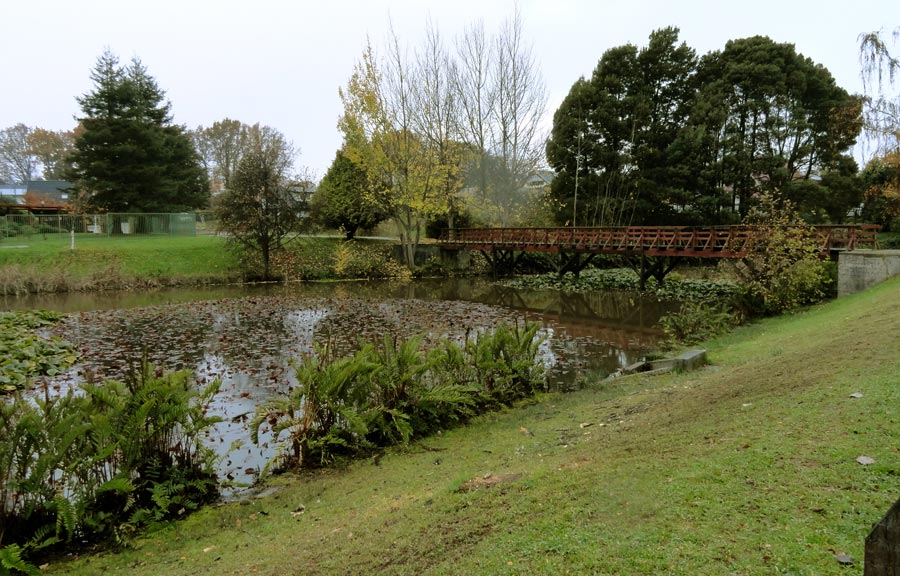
(572, 262)
(647, 267)
(502, 262)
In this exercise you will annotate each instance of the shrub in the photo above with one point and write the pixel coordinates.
(433, 267)
(305, 259)
(783, 269)
(355, 259)
(695, 322)
(103, 460)
(388, 395)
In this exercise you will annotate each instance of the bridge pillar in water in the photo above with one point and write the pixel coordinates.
(860, 269)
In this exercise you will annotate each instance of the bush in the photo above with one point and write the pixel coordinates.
(355, 259)
(695, 322)
(389, 395)
(432, 268)
(783, 269)
(103, 461)
(305, 260)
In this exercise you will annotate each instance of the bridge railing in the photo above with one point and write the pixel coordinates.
(709, 242)
(848, 237)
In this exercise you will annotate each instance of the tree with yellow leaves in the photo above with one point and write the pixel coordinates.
(381, 126)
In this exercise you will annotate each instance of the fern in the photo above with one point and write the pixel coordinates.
(66, 517)
(11, 561)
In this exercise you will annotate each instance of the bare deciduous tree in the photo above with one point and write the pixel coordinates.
(472, 81)
(880, 70)
(520, 104)
(221, 147)
(502, 100)
(18, 164)
(437, 115)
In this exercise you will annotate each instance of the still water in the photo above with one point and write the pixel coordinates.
(246, 336)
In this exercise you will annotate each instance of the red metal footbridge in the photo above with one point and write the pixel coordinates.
(674, 241)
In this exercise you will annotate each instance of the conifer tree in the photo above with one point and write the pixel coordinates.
(131, 156)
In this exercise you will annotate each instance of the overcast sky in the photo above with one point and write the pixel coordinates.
(281, 63)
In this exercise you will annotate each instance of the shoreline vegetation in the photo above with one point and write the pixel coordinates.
(637, 476)
(46, 266)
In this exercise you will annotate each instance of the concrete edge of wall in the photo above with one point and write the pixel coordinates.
(859, 270)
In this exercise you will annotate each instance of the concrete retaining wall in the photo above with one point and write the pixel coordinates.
(860, 269)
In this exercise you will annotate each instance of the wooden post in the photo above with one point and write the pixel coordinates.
(883, 545)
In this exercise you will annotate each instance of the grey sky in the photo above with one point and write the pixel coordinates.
(281, 63)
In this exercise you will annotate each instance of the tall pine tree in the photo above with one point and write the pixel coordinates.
(131, 157)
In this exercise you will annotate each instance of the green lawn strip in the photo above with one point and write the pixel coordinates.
(154, 259)
(747, 467)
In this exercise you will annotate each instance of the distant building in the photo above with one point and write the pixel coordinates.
(540, 179)
(36, 197)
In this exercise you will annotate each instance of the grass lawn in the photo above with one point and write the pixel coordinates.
(147, 259)
(746, 467)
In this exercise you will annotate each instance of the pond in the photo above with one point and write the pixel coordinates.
(247, 336)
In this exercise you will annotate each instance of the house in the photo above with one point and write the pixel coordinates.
(540, 180)
(36, 197)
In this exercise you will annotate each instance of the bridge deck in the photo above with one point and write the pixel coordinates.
(684, 241)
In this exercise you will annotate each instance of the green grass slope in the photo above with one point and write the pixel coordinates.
(746, 467)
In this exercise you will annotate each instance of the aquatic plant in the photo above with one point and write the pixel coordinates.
(26, 353)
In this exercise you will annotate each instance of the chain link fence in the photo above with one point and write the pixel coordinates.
(179, 224)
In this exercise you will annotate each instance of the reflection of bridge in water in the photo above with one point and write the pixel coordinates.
(654, 250)
(623, 319)
(619, 318)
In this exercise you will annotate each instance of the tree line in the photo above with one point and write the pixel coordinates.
(658, 135)
(447, 133)
(439, 131)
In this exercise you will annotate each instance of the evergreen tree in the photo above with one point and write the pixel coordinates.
(658, 137)
(772, 116)
(131, 157)
(611, 135)
(342, 201)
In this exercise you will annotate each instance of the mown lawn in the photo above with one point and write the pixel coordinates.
(746, 467)
(46, 263)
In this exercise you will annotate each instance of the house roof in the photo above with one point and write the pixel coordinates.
(38, 195)
(57, 190)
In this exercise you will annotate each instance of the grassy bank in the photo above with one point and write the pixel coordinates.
(40, 264)
(747, 467)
